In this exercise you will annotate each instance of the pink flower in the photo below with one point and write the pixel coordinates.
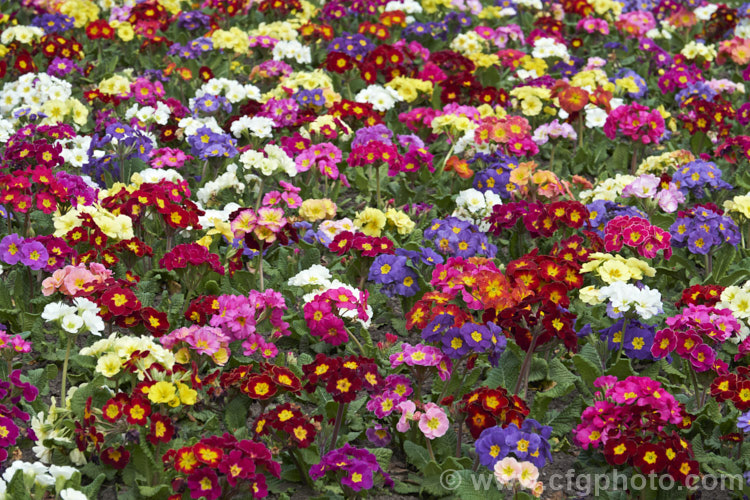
(644, 186)
(408, 413)
(76, 280)
(507, 470)
(433, 422)
(51, 284)
(204, 340)
(528, 475)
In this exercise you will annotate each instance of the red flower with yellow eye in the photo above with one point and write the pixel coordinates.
(618, 451)
(283, 377)
(185, 460)
(479, 420)
(300, 431)
(556, 293)
(154, 321)
(338, 62)
(684, 470)
(137, 411)
(116, 458)
(209, 455)
(120, 301)
(344, 385)
(161, 429)
(112, 410)
(259, 387)
(76, 236)
(650, 458)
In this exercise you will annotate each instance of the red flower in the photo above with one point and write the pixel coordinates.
(154, 321)
(342, 242)
(650, 458)
(343, 386)
(161, 430)
(684, 470)
(204, 483)
(120, 301)
(209, 455)
(112, 410)
(301, 431)
(619, 451)
(117, 458)
(185, 460)
(259, 387)
(338, 62)
(137, 411)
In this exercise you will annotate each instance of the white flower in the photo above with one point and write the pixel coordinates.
(84, 304)
(71, 494)
(595, 117)
(64, 472)
(56, 310)
(316, 275)
(71, 323)
(381, 98)
(704, 13)
(94, 323)
(44, 480)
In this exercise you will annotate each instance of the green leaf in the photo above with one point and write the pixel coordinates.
(152, 491)
(91, 490)
(416, 455)
(588, 364)
(383, 455)
(235, 413)
(506, 372)
(622, 369)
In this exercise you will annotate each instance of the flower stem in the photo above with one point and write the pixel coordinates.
(429, 450)
(336, 426)
(354, 338)
(65, 370)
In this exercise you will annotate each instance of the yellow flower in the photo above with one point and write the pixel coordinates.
(125, 32)
(162, 392)
(370, 221)
(317, 209)
(188, 396)
(402, 222)
(109, 365)
(614, 270)
(589, 295)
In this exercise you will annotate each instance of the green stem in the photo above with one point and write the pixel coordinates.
(260, 266)
(377, 185)
(294, 453)
(523, 376)
(622, 340)
(65, 370)
(709, 264)
(356, 341)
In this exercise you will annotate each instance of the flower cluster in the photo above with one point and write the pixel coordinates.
(629, 421)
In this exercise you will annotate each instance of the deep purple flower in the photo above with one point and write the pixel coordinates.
(378, 436)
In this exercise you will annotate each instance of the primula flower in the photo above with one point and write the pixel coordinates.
(433, 422)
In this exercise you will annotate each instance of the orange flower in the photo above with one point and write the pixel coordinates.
(461, 167)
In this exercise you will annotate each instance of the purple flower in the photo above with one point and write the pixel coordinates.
(378, 436)
(34, 255)
(476, 336)
(359, 465)
(10, 249)
(454, 344)
(435, 328)
(743, 422)
(491, 447)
